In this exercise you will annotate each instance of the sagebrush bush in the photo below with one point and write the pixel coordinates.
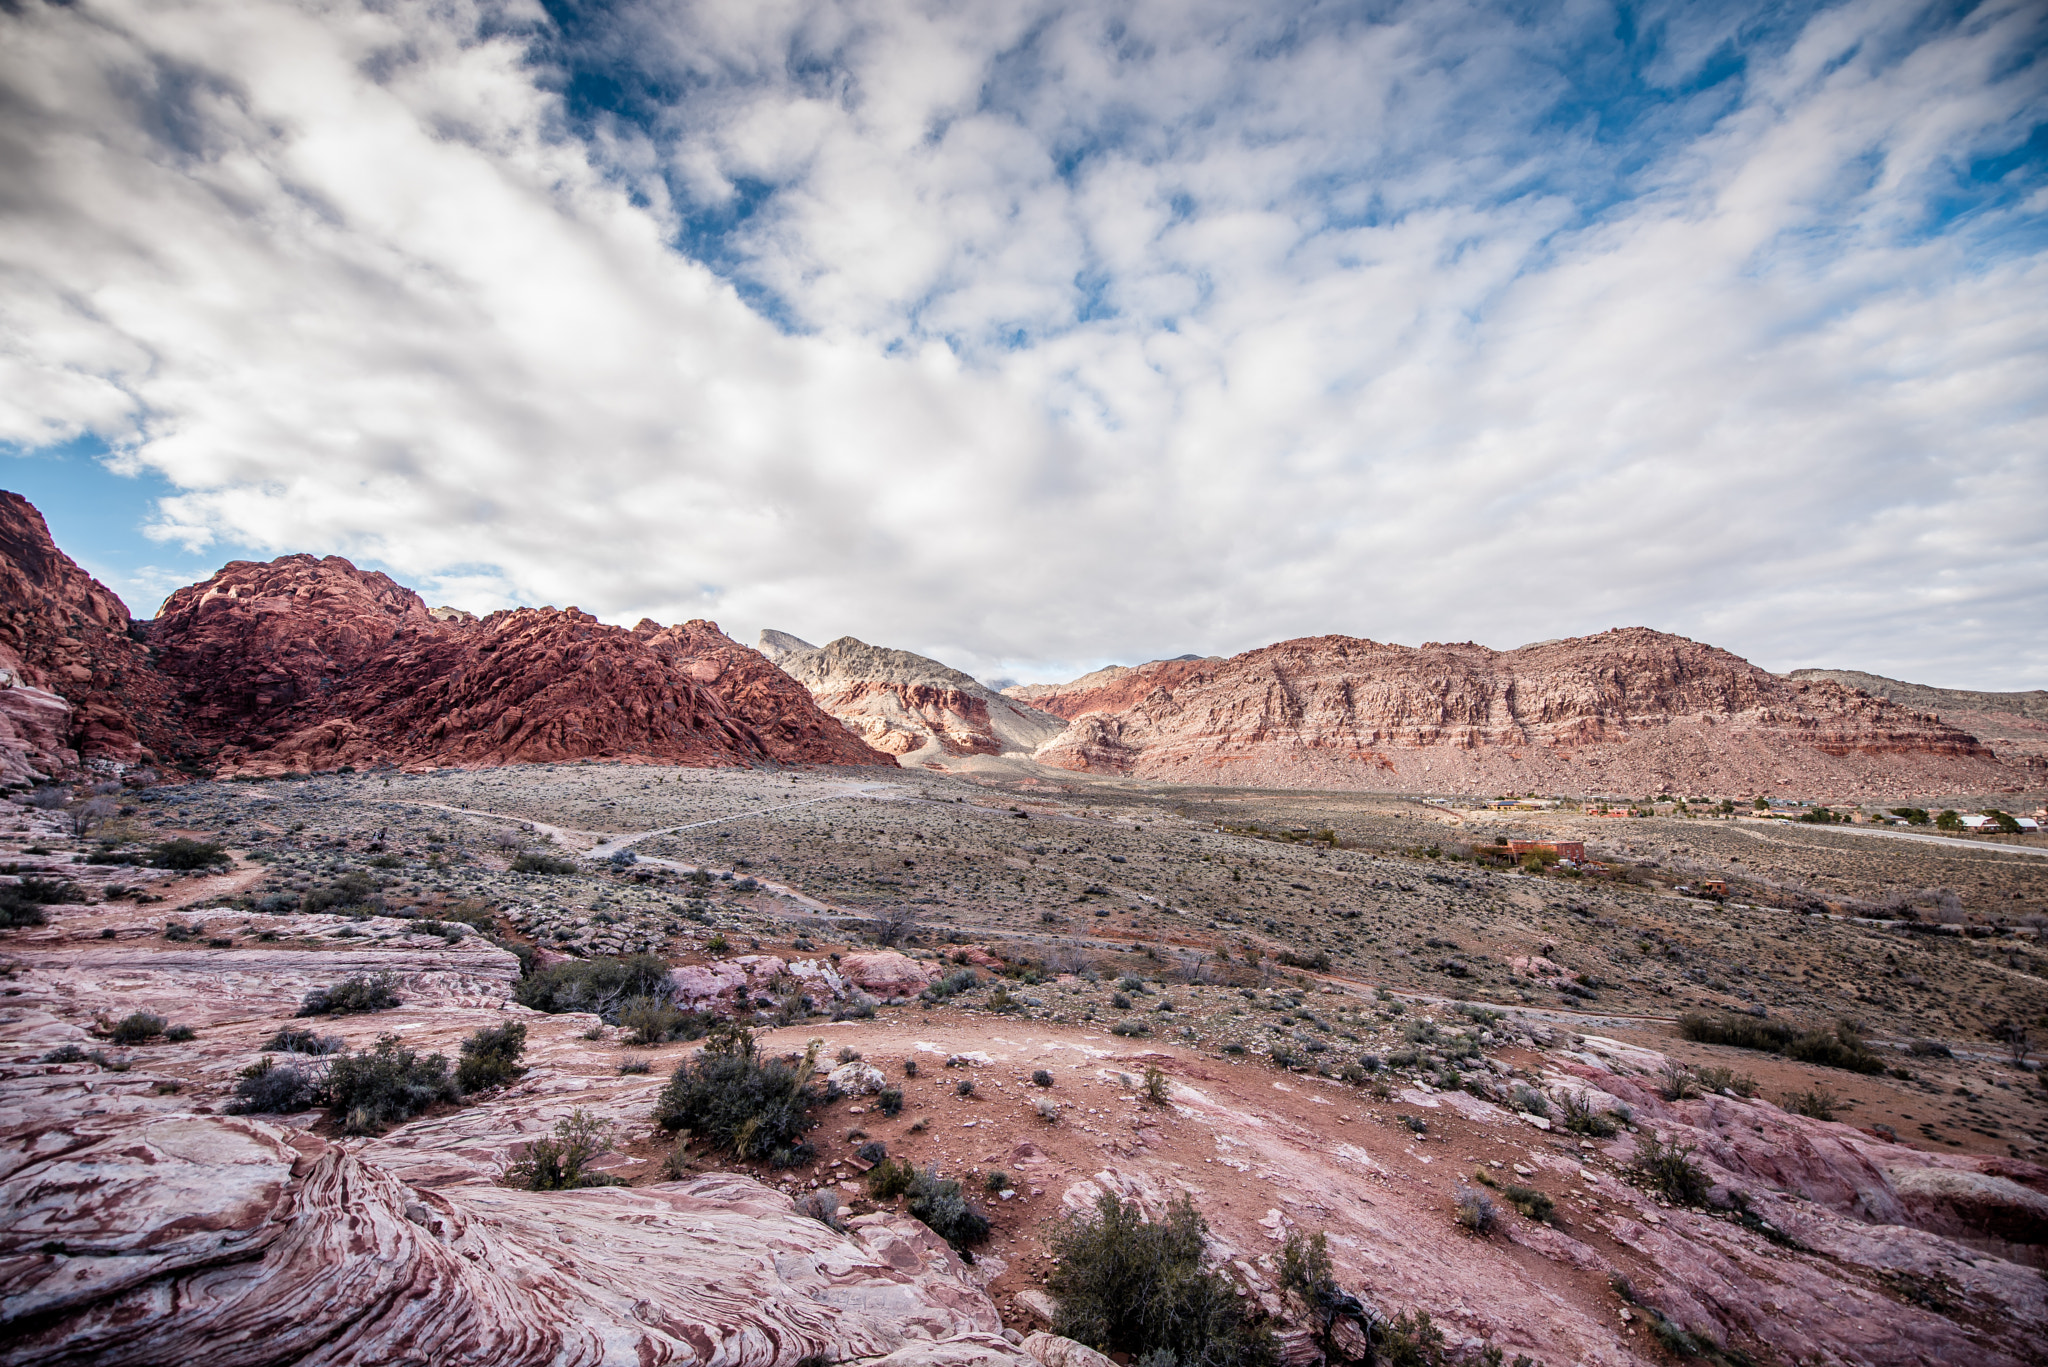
(557, 1163)
(1127, 1285)
(136, 1027)
(604, 986)
(377, 1088)
(890, 1099)
(1475, 1209)
(734, 1100)
(1581, 1118)
(22, 901)
(1817, 1102)
(185, 853)
(1841, 1047)
(939, 1202)
(490, 1057)
(179, 1034)
(363, 992)
(269, 1088)
(953, 984)
(1669, 1169)
(291, 1040)
(535, 861)
(650, 1021)
(890, 1178)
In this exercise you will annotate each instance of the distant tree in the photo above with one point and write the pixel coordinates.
(1948, 821)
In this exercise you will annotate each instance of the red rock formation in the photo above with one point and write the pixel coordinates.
(1627, 712)
(1116, 688)
(64, 632)
(303, 663)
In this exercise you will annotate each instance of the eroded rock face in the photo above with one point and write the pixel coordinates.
(914, 708)
(185, 1237)
(1626, 711)
(885, 974)
(64, 632)
(305, 664)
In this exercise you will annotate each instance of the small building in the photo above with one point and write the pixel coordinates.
(1714, 887)
(1574, 850)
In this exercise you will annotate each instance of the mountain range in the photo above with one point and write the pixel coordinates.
(304, 664)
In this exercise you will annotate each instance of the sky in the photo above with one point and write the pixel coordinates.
(1036, 336)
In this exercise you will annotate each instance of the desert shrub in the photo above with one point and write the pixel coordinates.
(1130, 1028)
(1817, 1102)
(1535, 1204)
(1676, 1082)
(736, 1101)
(1155, 1086)
(821, 1205)
(890, 1100)
(536, 861)
(1927, 1048)
(178, 1034)
(964, 1087)
(605, 986)
(651, 1021)
(291, 1040)
(939, 1202)
(184, 853)
(1530, 1101)
(1581, 1118)
(136, 1027)
(1128, 1285)
(21, 901)
(910, 1067)
(490, 1057)
(952, 985)
(1041, 1077)
(890, 1178)
(269, 1088)
(1475, 1210)
(995, 1180)
(557, 1163)
(378, 1088)
(874, 1151)
(1721, 1079)
(64, 1053)
(1842, 1047)
(1416, 1124)
(363, 992)
(635, 1065)
(1669, 1170)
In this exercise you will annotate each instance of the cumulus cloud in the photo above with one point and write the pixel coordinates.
(1038, 336)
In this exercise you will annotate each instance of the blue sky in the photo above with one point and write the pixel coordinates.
(1035, 336)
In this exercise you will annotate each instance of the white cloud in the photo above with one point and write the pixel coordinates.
(1117, 331)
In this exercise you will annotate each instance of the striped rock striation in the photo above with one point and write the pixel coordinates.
(922, 712)
(1629, 711)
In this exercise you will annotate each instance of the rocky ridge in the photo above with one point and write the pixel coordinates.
(1629, 711)
(921, 711)
(75, 683)
(2014, 725)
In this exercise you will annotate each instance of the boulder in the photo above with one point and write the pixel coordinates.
(857, 1078)
(886, 975)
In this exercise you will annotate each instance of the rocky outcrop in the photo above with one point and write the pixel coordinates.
(303, 663)
(1113, 688)
(914, 708)
(66, 634)
(2014, 725)
(1625, 712)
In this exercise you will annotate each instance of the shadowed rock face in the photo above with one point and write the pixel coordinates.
(914, 708)
(67, 634)
(1627, 711)
(305, 663)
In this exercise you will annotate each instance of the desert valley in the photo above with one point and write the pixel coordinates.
(389, 984)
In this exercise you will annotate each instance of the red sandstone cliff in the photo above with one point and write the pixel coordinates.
(65, 644)
(1629, 711)
(312, 663)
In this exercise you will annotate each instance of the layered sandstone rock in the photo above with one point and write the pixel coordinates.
(1626, 712)
(1113, 688)
(303, 663)
(2014, 725)
(914, 708)
(67, 634)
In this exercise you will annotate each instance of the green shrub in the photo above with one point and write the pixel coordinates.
(137, 1027)
(890, 1178)
(1127, 1285)
(378, 1088)
(1130, 1028)
(179, 1034)
(890, 1100)
(1669, 1169)
(490, 1057)
(1816, 1102)
(735, 1101)
(1744, 1032)
(184, 853)
(267, 1088)
(535, 861)
(363, 992)
(651, 1021)
(1041, 1077)
(1581, 1118)
(289, 1040)
(953, 984)
(1841, 1047)
(938, 1202)
(1535, 1204)
(22, 901)
(604, 986)
(557, 1163)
